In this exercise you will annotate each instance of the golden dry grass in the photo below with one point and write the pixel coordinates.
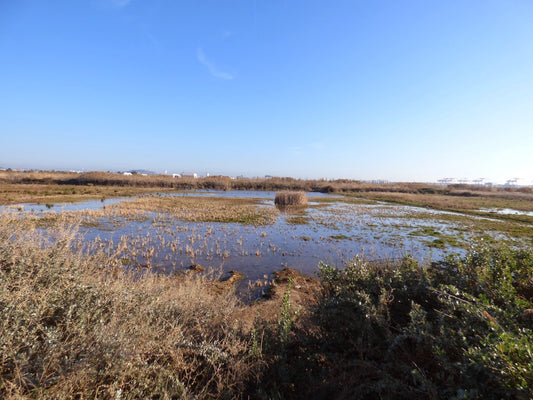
(78, 326)
(205, 209)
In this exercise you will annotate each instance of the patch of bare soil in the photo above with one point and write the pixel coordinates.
(304, 292)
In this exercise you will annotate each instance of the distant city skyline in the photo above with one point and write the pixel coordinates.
(399, 91)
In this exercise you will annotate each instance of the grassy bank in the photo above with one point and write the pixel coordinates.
(82, 326)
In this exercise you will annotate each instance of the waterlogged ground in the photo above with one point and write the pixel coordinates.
(244, 231)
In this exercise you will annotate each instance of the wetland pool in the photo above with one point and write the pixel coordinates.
(331, 229)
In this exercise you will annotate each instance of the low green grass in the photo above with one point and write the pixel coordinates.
(298, 220)
(425, 231)
(441, 240)
(340, 237)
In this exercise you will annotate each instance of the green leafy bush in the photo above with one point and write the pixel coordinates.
(455, 330)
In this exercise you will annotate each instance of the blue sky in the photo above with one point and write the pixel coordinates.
(397, 90)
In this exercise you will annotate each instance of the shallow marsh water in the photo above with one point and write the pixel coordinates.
(507, 211)
(330, 229)
(60, 207)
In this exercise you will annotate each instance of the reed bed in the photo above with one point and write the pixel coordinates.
(162, 182)
(284, 199)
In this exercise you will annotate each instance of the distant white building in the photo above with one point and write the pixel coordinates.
(176, 175)
(127, 173)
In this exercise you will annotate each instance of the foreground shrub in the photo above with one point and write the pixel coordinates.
(73, 326)
(459, 329)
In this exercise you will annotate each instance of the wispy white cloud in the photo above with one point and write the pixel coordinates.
(121, 3)
(211, 67)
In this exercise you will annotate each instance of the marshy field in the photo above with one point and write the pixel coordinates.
(156, 287)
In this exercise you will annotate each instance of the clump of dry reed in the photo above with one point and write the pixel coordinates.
(290, 199)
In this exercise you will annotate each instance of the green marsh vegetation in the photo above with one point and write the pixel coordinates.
(479, 224)
(78, 325)
(83, 324)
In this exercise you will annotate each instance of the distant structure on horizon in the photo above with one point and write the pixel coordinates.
(193, 175)
(143, 172)
(446, 180)
(513, 182)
